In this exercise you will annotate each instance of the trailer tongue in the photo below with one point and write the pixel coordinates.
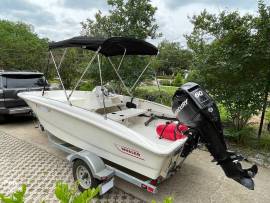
(197, 110)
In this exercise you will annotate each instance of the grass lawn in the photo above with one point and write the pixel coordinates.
(169, 89)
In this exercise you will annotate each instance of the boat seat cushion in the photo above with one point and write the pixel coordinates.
(124, 114)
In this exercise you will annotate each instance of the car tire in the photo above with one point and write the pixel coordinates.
(83, 175)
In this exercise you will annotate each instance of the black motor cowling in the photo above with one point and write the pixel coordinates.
(193, 107)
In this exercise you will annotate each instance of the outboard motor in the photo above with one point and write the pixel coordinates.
(196, 109)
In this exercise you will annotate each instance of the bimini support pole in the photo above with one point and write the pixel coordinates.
(46, 75)
(158, 85)
(57, 70)
(119, 76)
(84, 72)
(135, 83)
(102, 88)
(122, 60)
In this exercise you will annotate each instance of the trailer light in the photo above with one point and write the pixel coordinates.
(149, 189)
(154, 182)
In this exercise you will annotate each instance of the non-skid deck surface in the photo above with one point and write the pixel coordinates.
(124, 114)
(23, 163)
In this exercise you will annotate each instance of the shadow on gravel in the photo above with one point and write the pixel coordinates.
(20, 119)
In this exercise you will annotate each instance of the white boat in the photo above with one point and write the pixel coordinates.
(122, 136)
(118, 128)
(118, 133)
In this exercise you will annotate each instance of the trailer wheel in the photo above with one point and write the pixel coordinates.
(84, 176)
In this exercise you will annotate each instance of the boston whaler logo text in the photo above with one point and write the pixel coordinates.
(183, 104)
(129, 151)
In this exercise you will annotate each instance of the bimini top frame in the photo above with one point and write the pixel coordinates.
(113, 46)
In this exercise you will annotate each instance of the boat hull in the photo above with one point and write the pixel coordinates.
(104, 137)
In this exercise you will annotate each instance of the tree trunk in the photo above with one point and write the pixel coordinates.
(263, 111)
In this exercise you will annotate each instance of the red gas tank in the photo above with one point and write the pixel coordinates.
(171, 131)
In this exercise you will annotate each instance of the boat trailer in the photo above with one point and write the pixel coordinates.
(98, 172)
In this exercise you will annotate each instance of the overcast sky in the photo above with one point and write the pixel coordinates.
(60, 19)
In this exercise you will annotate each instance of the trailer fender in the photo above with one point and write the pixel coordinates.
(95, 163)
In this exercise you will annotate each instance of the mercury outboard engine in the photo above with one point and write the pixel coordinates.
(196, 109)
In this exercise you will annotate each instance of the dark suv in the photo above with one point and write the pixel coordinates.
(11, 83)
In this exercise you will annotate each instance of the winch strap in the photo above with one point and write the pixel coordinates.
(167, 123)
(176, 129)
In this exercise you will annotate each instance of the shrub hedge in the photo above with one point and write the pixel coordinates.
(86, 86)
(161, 97)
(165, 82)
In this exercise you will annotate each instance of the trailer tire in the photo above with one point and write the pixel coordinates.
(83, 175)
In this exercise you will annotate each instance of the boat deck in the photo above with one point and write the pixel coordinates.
(149, 131)
(125, 114)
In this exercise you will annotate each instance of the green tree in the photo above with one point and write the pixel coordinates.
(225, 62)
(172, 58)
(132, 18)
(262, 53)
(21, 48)
(70, 70)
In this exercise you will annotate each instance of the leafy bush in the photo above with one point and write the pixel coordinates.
(154, 95)
(87, 86)
(240, 136)
(64, 193)
(224, 115)
(193, 75)
(16, 197)
(247, 137)
(165, 82)
(178, 80)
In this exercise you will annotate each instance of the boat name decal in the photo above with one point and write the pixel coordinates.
(129, 151)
